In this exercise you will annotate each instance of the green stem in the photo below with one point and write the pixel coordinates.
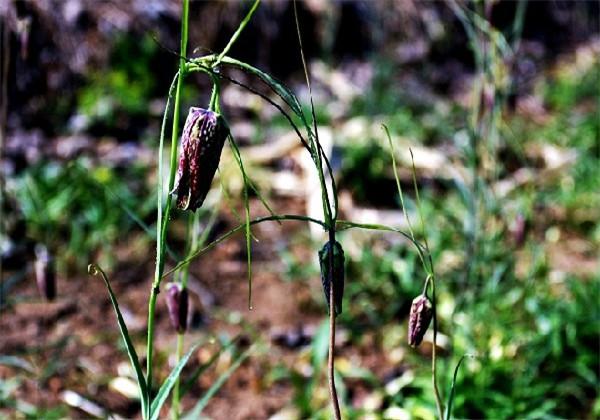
(163, 222)
(436, 391)
(214, 96)
(237, 33)
(176, 388)
(317, 150)
(289, 98)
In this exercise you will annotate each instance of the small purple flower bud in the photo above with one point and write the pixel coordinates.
(204, 134)
(419, 319)
(518, 230)
(45, 272)
(177, 303)
(338, 274)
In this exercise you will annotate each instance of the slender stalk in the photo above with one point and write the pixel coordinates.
(162, 223)
(436, 391)
(430, 279)
(317, 150)
(238, 158)
(330, 216)
(331, 359)
(237, 33)
(176, 388)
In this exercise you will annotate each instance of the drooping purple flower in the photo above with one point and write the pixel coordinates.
(202, 140)
(45, 272)
(177, 304)
(338, 274)
(419, 319)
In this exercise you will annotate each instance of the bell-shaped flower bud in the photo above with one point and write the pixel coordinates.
(204, 134)
(177, 304)
(338, 274)
(420, 317)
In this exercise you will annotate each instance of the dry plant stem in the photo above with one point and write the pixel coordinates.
(330, 360)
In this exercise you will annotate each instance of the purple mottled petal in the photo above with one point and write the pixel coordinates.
(203, 136)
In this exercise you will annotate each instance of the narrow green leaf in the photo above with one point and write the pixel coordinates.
(260, 197)
(247, 231)
(279, 88)
(246, 179)
(195, 412)
(238, 228)
(187, 385)
(95, 270)
(168, 384)
(346, 224)
(453, 387)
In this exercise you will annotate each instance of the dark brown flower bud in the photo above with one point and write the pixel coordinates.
(177, 303)
(338, 274)
(202, 141)
(45, 272)
(420, 317)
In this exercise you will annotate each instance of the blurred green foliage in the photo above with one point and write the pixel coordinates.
(77, 210)
(124, 90)
(536, 339)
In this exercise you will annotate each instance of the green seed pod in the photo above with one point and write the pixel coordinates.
(202, 141)
(338, 274)
(420, 317)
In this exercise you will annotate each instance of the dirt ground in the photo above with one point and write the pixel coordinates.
(73, 343)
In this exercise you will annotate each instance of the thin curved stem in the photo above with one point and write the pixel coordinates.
(276, 218)
(436, 391)
(315, 144)
(400, 192)
(197, 66)
(237, 33)
(346, 224)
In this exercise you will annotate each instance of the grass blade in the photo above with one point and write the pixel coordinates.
(95, 270)
(187, 385)
(453, 387)
(248, 232)
(168, 384)
(195, 412)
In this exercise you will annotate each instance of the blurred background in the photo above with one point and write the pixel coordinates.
(498, 102)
